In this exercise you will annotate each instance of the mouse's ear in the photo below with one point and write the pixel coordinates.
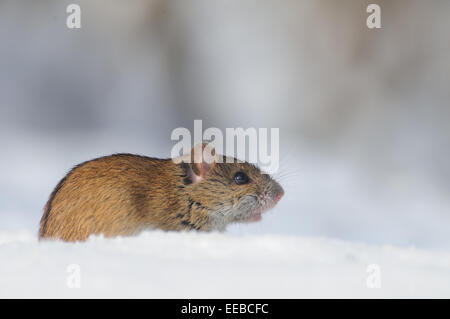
(203, 160)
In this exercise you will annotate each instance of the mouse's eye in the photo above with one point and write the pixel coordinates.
(241, 178)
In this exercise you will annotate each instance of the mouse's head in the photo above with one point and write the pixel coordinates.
(230, 190)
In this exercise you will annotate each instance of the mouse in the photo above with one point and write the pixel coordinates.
(124, 194)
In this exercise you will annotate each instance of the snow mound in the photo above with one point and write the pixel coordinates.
(159, 264)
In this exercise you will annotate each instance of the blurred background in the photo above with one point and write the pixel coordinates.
(363, 113)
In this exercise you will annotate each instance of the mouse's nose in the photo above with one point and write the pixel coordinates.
(278, 193)
(278, 197)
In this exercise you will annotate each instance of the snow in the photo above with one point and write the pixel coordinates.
(157, 264)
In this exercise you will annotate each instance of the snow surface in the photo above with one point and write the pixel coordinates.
(157, 264)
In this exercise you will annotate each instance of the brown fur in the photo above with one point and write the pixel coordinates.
(123, 194)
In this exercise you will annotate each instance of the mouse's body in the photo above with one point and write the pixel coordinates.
(123, 194)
